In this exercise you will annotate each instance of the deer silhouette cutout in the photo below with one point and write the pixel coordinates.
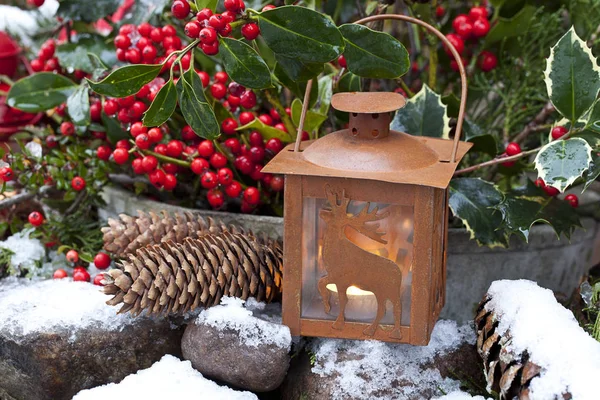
(349, 265)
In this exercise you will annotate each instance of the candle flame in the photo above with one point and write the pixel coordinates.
(352, 290)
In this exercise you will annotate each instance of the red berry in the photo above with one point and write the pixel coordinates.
(67, 128)
(59, 274)
(174, 148)
(218, 90)
(252, 195)
(229, 126)
(36, 65)
(268, 7)
(231, 5)
(274, 145)
(155, 135)
(149, 163)
(204, 14)
(233, 101)
(156, 35)
(218, 160)
(236, 89)
(142, 141)
(342, 61)
(215, 198)
(225, 176)
(149, 53)
(35, 218)
(244, 165)
(144, 29)
(551, 190)
(226, 30)
(234, 189)
(126, 102)
(137, 166)
(36, 3)
(513, 149)
(256, 173)
(98, 280)
(277, 183)
(161, 149)
(255, 139)
(464, 30)
(233, 145)
(440, 11)
(572, 199)
(143, 42)
(487, 61)
(110, 107)
(199, 165)
(539, 182)
(481, 27)
(459, 20)
(78, 183)
(457, 42)
(81, 275)
(209, 180)
(103, 152)
(52, 142)
(122, 42)
(169, 30)
(274, 114)
(187, 133)
(101, 260)
(51, 65)
(478, 13)
(170, 182)
(126, 29)
(206, 148)
(246, 117)
(6, 174)
(250, 31)
(216, 21)
(96, 111)
(192, 29)
(248, 99)
(204, 78)
(210, 49)
(137, 128)
(121, 55)
(558, 132)
(72, 256)
(257, 153)
(180, 9)
(228, 16)
(222, 77)
(157, 177)
(208, 35)
(120, 156)
(123, 144)
(133, 55)
(170, 168)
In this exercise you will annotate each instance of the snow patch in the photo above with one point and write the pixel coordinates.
(28, 252)
(459, 395)
(169, 378)
(253, 331)
(374, 367)
(551, 335)
(53, 306)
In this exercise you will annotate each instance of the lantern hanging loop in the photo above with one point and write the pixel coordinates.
(455, 54)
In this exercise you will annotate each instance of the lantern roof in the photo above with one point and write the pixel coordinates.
(369, 150)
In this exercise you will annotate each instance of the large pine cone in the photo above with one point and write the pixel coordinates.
(179, 277)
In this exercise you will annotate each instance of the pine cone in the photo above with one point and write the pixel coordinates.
(506, 373)
(127, 234)
(179, 277)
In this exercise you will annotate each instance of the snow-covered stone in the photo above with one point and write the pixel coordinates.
(550, 334)
(352, 369)
(58, 337)
(27, 252)
(169, 378)
(247, 347)
(459, 395)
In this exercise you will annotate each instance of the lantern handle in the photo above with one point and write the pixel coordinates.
(449, 46)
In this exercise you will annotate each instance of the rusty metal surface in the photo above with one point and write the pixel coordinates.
(368, 102)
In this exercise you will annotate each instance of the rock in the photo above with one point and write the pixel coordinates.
(58, 337)
(228, 343)
(347, 369)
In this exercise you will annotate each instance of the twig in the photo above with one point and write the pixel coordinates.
(539, 119)
(21, 197)
(495, 161)
(78, 200)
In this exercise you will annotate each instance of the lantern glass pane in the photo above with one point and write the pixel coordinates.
(397, 224)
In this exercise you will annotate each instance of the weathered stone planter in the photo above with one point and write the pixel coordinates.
(554, 264)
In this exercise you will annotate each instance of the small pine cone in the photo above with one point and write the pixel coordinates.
(173, 278)
(127, 234)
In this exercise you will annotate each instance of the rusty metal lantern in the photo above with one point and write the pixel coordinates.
(365, 222)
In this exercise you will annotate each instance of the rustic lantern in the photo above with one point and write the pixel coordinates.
(365, 224)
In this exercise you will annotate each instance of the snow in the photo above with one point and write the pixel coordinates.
(28, 252)
(538, 324)
(52, 306)
(374, 367)
(24, 23)
(458, 395)
(253, 331)
(168, 378)
(34, 149)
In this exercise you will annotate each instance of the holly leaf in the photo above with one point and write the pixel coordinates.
(243, 64)
(572, 76)
(126, 80)
(212, 4)
(592, 118)
(77, 10)
(349, 83)
(301, 34)
(267, 132)
(482, 142)
(296, 70)
(162, 106)
(514, 26)
(561, 162)
(144, 10)
(373, 54)
(75, 55)
(473, 201)
(313, 119)
(523, 207)
(593, 139)
(40, 92)
(78, 106)
(114, 131)
(194, 106)
(423, 115)
(325, 93)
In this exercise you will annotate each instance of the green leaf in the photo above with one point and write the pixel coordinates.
(40, 92)
(561, 162)
(593, 117)
(482, 142)
(523, 207)
(268, 132)
(423, 115)
(373, 54)
(572, 76)
(114, 131)
(296, 70)
(78, 106)
(162, 106)
(126, 81)
(243, 64)
(349, 83)
(453, 104)
(593, 139)
(75, 55)
(84, 11)
(313, 119)
(212, 4)
(472, 200)
(301, 34)
(325, 93)
(144, 10)
(514, 26)
(297, 87)
(194, 107)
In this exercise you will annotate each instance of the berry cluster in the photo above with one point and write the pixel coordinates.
(470, 28)
(46, 61)
(147, 44)
(551, 191)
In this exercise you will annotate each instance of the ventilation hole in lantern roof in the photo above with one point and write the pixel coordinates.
(374, 116)
(355, 114)
(375, 132)
(354, 131)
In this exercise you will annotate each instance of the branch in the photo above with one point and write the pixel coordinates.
(495, 161)
(76, 203)
(21, 197)
(539, 119)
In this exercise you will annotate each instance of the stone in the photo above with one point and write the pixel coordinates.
(58, 337)
(230, 344)
(347, 369)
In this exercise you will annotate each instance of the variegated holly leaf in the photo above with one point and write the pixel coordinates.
(473, 201)
(572, 76)
(561, 162)
(523, 207)
(593, 139)
(592, 118)
(423, 115)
